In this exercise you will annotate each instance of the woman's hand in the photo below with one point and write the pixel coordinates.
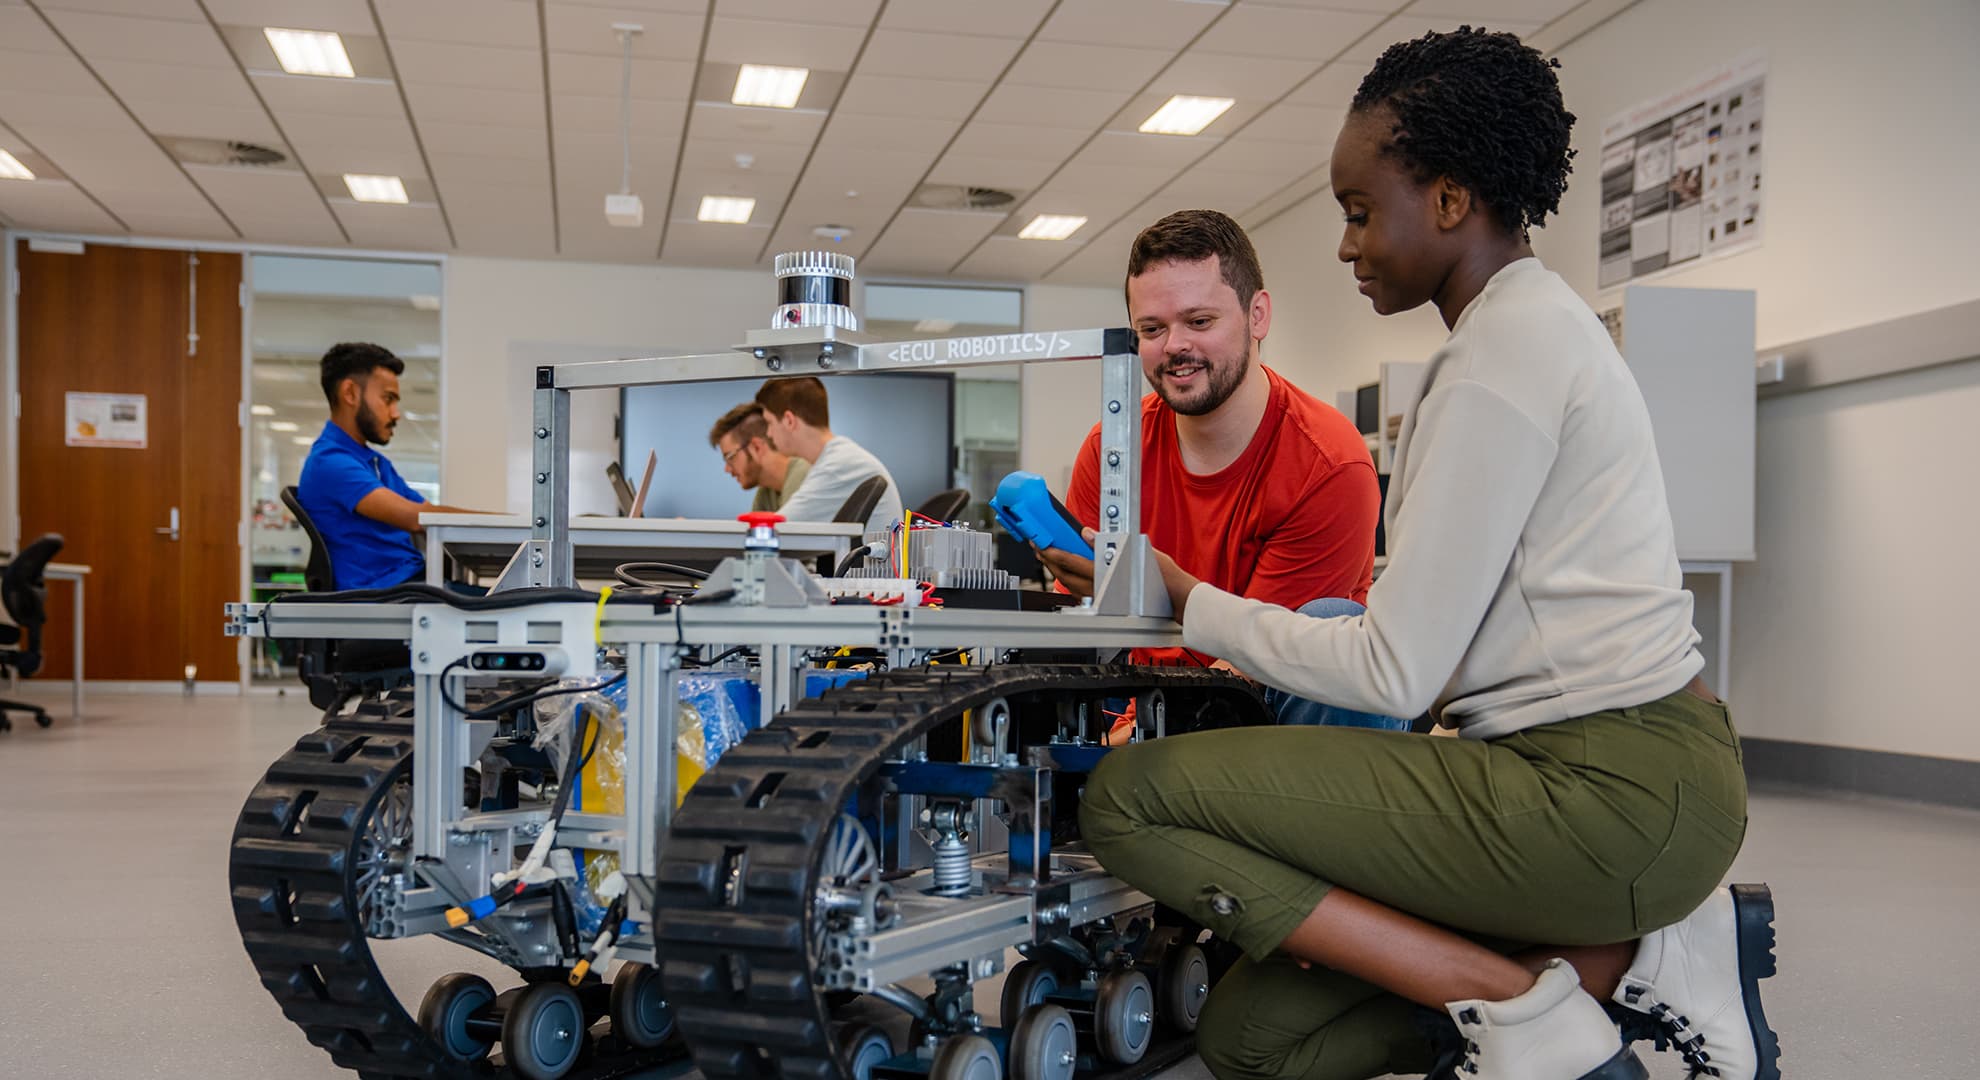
(1178, 581)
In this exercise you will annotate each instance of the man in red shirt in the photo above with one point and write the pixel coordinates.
(1247, 481)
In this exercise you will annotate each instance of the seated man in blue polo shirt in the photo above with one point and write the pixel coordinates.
(366, 514)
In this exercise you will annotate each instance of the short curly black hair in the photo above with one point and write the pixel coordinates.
(1482, 108)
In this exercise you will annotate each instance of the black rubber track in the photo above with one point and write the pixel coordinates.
(737, 952)
(292, 871)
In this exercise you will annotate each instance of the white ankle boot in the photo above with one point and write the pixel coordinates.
(1700, 980)
(1554, 1031)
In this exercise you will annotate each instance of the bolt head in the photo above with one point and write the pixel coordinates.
(536, 558)
(1114, 406)
(541, 522)
(759, 353)
(776, 363)
(543, 433)
(1113, 511)
(422, 656)
(425, 621)
(543, 478)
(1113, 457)
(1143, 1016)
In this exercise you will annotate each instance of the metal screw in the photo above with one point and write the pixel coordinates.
(540, 522)
(1067, 1057)
(422, 656)
(543, 433)
(1113, 510)
(562, 1034)
(826, 348)
(825, 360)
(1108, 556)
(1200, 989)
(425, 621)
(759, 353)
(1113, 457)
(776, 363)
(536, 558)
(1062, 911)
(1114, 406)
(1143, 1016)
(543, 478)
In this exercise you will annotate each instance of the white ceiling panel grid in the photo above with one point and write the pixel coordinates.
(887, 95)
(1005, 18)
(918, 55)
(835, 12)
(1059, 64)
(465, 22)
(99, 36)
(337, 16)
(182, 10)
(784, 44)
(1148, 24)
(1313, 35)
(1014, 104)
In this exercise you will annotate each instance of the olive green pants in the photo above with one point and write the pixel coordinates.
(1592, 831)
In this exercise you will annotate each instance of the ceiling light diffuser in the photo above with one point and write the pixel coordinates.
(263, 410)
(12, 169)
(726, 209)
(1051, 227)
(378, 189)
(310, 52)
(771, 87)
(1185, 115)
(284, 425)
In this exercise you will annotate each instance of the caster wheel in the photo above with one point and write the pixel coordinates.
(641, 1017)
(42, 719)
(862, 1046)
(967, 1057)
(1124, 1016)
(1029, 983)
(1044, 1045)
(544, 1031)
(1185, 981)
(445, 1012)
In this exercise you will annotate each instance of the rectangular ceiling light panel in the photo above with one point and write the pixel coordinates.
(377, 189)
(310, 52)
(1185, 115)
(1051, 227)
(12, 169)
(771, 87)
(726, 209)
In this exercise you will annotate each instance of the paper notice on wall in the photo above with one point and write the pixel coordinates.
(1681, 175)
(108, 420)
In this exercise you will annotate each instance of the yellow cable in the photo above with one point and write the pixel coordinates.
(598, 618)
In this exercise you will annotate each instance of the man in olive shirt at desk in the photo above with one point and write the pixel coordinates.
(741, 436)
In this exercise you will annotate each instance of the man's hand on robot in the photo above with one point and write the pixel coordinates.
(1075, 572)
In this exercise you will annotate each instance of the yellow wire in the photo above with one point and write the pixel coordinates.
(598, 618)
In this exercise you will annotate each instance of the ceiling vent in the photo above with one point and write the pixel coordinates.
(962, 197)
(193, 150)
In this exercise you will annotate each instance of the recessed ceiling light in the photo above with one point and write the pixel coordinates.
(379, 189)
(310, 52)
(303, 440)
(1051, 227)
(934, 326)
(263, 410)
(1184, 115)
(12, 169)
(284, 425)
(773, 87)
(726, 210)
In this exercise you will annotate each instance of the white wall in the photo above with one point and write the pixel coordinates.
(1842, 627)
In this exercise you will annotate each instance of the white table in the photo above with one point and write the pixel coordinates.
(483, 543)
(71, 572)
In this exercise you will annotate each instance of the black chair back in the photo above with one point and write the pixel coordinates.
(317, 574)
(945, 506)
(859, 505)
(25, 595)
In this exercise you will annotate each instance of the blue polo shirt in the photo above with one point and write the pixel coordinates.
(364, 553)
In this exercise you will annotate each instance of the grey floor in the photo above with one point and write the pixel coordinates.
(120, 957)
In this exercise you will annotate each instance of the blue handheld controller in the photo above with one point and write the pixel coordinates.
(1026, 507)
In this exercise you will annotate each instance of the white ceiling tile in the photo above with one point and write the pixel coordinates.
(320, 231)
(463, 22)
(882, 178)
(334, 144)
(522, 236)
(1231, 192)
(698, 243)
(836, 13)
(804, 211)
(341, 16)
(1006, 18)
(441, 63)
(928, 241)
(433, 105)
(47, 72)
(1266, 158)
(1013, 104)
(1311, 34)
(1334, 85)
(487, 140)
(181, 10)
(1407, 27)
(1098, 206)
(1095, 175)
(527, 170)
(795, 235)
(1011, 174)
(135, 81)
(260, 192)
(353, 97)
(249, 124)
(768, 190)
(652, 80)
(53, 204)
(678, 7)
(805, 45)
(907, 133)
(1132, 150)
(718, 154)
(585, 233)
(496, 202)
(32, 113)
(125, 158)
(1380, 7)
(23, 31)
(1103, 261)
(740, 123)
(1007, 258)
(882, 95)
(1494, 11)
(205, 225)
(1151, 24)
(1314, 124)
(1086, 67)
(916, 55)
(595, 162)
(1018, 141)
(1251, 79)
(127, 37)
(376, 225)
(588, 30)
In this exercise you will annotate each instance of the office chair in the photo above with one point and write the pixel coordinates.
(26, 599)
(334, 670)
(945, 505)
(859, 505)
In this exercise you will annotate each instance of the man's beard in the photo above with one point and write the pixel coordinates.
(369, 427)
(1220, 382)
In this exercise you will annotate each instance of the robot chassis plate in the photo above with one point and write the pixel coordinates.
(829, 854)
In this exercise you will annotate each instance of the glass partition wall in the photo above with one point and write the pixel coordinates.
(301, 307)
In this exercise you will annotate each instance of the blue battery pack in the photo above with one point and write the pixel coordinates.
(1029, 510)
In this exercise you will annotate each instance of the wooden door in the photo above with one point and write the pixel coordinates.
(118, 320)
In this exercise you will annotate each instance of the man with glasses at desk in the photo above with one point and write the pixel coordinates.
(741, 436)
(364, 511)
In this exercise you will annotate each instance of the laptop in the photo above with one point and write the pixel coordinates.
(620, 488)
(638, 508)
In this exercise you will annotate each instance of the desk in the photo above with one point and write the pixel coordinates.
(483, 543)
(71, 572)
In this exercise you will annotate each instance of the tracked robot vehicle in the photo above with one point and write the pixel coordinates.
(893, 750)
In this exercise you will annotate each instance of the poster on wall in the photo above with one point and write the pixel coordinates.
(1681, 174)
(104, 420)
